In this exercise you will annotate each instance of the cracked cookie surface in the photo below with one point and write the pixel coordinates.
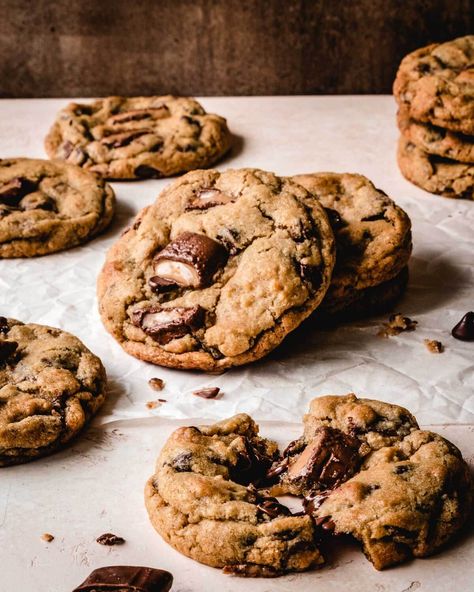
(47, 206)
(373, 236)
(434, 173)
(435, 84)
(138, 137)
(218, 270)
(366, 469)
(50, 386)
(202, 502)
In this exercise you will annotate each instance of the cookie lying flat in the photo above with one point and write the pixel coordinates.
(48, 206)
(50, 386)
(200, 501)
(139, 137)
(437, 140)
(373, 235)
(435, 84)
(367, 470)
(435, 174)
(218, 270)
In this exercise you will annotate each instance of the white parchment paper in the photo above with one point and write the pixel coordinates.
(288, 136)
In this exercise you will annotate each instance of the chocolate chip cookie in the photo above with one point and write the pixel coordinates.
(437, 140)
(47, 206)
(366, 469)
(434, 173)
(203, 502)
(50, 386)
(435, 84)
(138, 137)
(218, 270)
(373, 241)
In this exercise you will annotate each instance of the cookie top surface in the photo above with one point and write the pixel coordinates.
(436, 84)
(218, 270)
(138, 137)
(434, 173)
(50, 385)
(47, 206)
(367, 470)
(373, 234)
(201, 500)
(437, 140)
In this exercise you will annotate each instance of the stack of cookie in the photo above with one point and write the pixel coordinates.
(434, 89)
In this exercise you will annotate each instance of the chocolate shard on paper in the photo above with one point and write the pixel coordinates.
(208, 198)
(464, 330)
(109, 539)
(190, 260)
(166, 324)
(208, 393)
(126, 578)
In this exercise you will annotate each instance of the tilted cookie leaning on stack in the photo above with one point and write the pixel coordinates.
(434, 89)
(218, 270)
(138, 137)
(363, 467)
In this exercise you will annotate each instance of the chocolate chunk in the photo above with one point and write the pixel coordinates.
(12, 192)
(166, 324)
(277, 469)
(190, 260)
(140, 114)
(326, 523)
(3, 325)
(156, 384)
(208, 393)
(311, 274)
(208, 198)
(251, 570)
(145, 171)
(329, 459)
(126, 578)
(272, 507)
(38, 201)
(160, 285)
(110, 539)
(335, 219)
(7, 349)
(314, 500)
(183, 463)
(464, 330)
(252, 464)
(5, 210)
(123, 139)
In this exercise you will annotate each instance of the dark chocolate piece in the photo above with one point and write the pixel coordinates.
(335, 219)
(272, 507)
(329, 459)
(37, 201)
(252, 464)
(311, 274)
(190, 260)
(160, 285)
(208, 198)
(3, 325)
(123, 139)
(12, 192)
(7, 349)
(251, 570)
(110, 539)
(166, 324)
(208, 393)
(126, 578)
(464, 330)
(145, 171)
(140, 114)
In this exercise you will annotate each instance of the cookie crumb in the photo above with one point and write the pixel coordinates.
(156, 384)
(208, 393)
(155, 404)
(110, 539)
(435, 347)
(397, 323)
(47, 537)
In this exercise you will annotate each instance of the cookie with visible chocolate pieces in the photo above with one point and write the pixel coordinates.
(373, 243)
(47, 206)
(367, 470)
(138, 137)
(218, 270)
(435, 84)
(202, 501)
(434, 173)
(50, 386)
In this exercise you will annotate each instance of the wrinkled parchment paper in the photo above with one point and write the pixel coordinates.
(101, 488)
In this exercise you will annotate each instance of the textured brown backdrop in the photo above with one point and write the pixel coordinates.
(215, 47)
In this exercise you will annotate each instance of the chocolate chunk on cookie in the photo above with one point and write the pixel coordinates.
(202, 502)
(373, 241)
(435, 84)
(50, 386)
(47, 206)
(217, 286)
(138, 137)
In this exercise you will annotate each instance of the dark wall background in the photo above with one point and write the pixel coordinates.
(215, 47)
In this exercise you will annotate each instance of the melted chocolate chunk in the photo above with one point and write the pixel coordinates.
(145, 171)
(12, 193)
(328, 460)
(190, 260)
(126, 579)
(252, 464)
(464, 330)
(160, 285)
(7, 349)
(139, 114)
(166, 324)
(272, 507)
